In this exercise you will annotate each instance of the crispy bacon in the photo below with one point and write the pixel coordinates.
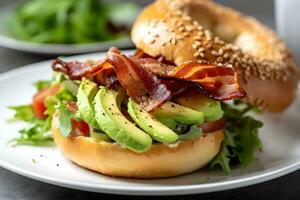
(217, 81)
(152, 81)
(142, 85)
(101, 72)
(75, 70)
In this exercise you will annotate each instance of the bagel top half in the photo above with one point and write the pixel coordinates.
(185, 30)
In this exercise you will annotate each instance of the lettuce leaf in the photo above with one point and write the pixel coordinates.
(241, 139)
(22, 113)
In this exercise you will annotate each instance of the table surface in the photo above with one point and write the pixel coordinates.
(13, 186)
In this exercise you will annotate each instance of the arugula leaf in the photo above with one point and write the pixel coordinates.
(223, 158)
(249, 141)
(241, 140)
(64, 120)
(23, 113)
(42, 84)
(38, 134)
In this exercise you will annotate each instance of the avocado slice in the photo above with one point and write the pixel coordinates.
(115, 124)
(99, 137)
(193, 133)
(157, 130)
(170, 123)
(181, 114)
(211, 109)
(85, 96)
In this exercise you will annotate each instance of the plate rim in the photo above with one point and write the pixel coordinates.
(256, 177)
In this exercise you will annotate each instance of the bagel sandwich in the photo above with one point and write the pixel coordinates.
(181, 102)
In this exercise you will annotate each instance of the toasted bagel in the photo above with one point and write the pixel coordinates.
(185, 30)
(161, 160)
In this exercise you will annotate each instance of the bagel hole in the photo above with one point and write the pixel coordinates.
(219, 27)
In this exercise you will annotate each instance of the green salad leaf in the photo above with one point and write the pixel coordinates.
(38, 133)
(40, 85)
(64, 120)
(23, 113)
(71, 21)
(241, 140)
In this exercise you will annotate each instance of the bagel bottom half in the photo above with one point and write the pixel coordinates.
(159, 161)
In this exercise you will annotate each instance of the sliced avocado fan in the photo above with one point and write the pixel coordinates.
(181, 114)
(85, 96)
(157, 130)
(115, 124)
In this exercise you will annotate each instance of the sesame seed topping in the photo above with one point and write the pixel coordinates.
(196, 54)
(186, 34)
(173, 41)
(181, 29)
(195, 23)
(198, 43)
(195, 46)
(189, 28)
(201, 49)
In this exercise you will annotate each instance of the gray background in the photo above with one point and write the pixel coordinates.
(13, 186)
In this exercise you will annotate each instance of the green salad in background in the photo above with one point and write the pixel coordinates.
(71, 21)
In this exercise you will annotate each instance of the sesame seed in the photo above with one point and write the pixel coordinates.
(220, 51)
(196, 54)
(198, 37)
(198, 43)
(202, 55)
(189, 28)
(214, 53)
(226, 55)
(195, 23)
(186, 34)
(173, 41)
(181, 29)
(195, 46)
(200, 33)
(201, 49)
(187, 18)
(179, 24)
(199, 28)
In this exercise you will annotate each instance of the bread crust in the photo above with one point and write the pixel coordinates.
(159, 161)
(185, 30)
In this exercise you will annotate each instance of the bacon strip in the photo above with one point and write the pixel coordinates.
(140, 84)
(217, 81)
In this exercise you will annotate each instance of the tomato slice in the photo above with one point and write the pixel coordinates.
(209, 127)
(38, 100)
(80, 128)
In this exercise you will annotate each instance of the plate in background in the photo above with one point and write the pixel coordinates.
(280, 137)
(7, 40)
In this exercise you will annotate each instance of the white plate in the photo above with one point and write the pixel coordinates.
(280, 137)
(7, 40)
